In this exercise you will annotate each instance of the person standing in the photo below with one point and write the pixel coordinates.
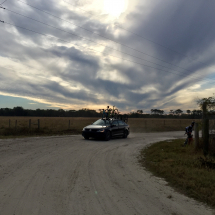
(188, 132)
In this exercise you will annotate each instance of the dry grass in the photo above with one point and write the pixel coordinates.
(159, 125)
(48, 125)
(60, 125)
(182, 168)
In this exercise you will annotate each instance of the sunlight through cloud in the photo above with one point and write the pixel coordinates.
(115, 7)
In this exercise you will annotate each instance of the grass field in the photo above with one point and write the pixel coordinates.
(183, 168)
(16, 126)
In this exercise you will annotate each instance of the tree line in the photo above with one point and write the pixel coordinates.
(20, 111)
(178, 113)
(154, 113)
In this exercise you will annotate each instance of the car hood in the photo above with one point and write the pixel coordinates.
(96, 126)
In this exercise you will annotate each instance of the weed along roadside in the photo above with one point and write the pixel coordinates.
(183, 168)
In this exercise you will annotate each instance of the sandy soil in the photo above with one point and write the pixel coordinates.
(70, 175)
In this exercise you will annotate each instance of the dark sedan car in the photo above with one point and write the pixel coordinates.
(106, 128)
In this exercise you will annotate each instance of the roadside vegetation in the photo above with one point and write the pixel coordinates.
(184, 168)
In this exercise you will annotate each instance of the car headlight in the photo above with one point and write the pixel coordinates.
(101, 130)
(83, 129)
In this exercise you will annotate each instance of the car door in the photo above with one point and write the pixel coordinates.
(121, 127)
(115, 128)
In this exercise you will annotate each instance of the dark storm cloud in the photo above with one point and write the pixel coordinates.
(76, 56)
(183, 26)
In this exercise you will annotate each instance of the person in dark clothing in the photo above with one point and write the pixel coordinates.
(188, 132)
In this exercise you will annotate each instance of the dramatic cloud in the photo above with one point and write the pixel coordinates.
(135, 55)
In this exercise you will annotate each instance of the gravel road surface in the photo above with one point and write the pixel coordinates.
(70, 175)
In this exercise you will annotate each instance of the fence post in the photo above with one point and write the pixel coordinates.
(38, 124)
(29, 123)
(196, 136)
(16, 124)
(164, 122)
(206, 135)
(205, 129)
(69, 124)
(9, 123)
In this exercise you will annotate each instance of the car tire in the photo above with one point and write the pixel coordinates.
(86, 137)
(108, 136)
(125, 134)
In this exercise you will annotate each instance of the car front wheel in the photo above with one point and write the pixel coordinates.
(125, 134)
(86, 137)
(108, 136)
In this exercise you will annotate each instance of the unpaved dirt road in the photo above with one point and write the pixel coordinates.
(70, 175)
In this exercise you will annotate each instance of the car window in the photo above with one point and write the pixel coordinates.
(121, 122)
(115, 122)
(107, 122)
(99, 122)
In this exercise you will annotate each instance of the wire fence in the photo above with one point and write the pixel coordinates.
(58, 124)
(45, 123)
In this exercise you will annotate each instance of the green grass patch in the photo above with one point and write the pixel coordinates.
(184, 168)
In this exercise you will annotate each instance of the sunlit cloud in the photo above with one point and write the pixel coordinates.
(114, 7)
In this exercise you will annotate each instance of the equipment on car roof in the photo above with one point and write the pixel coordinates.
(113, 113)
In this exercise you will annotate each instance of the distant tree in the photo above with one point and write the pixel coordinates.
(39, 112)
(152, 111)
(178, 112)
(210, 101)
(194, 112)
(18, 111)
(161, 112)
(157, 112)
(140, 111)
(188, 111)
(61, 112)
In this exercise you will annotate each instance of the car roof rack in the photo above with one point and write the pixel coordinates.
(113, 113)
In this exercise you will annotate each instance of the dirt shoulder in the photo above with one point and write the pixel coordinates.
(69, 175)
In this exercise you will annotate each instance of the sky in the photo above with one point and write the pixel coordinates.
(133, 54)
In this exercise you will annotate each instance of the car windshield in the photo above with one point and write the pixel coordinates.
(100, 122)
